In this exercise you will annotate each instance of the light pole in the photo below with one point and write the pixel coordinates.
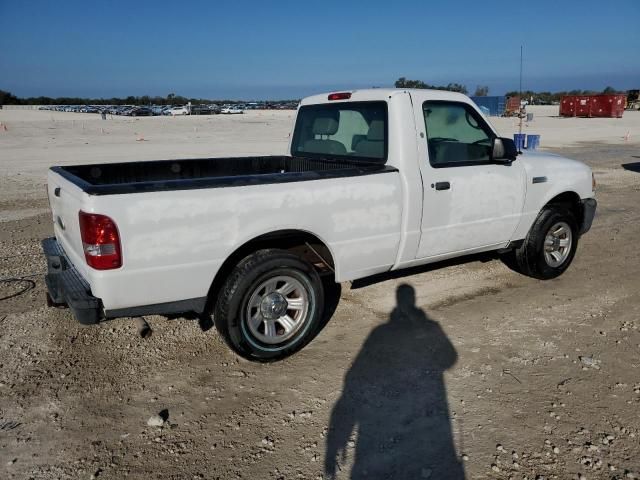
(520, 93)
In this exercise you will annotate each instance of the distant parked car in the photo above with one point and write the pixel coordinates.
(231, 110)
(204, 110)
(124, 109)
(200, 110)
(140, 112)
(178, 111)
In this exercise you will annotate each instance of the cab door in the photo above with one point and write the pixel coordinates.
(470, 203)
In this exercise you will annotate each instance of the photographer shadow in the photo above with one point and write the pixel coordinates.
(393, 410)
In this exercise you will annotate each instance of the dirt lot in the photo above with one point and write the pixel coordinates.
(488, 375)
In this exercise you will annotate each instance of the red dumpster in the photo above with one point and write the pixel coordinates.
(607, 106)
(568, 105)
(512, 107)
(592, 105)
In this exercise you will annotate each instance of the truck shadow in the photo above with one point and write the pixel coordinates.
(634, 166)
(394, 397)
(382, 277)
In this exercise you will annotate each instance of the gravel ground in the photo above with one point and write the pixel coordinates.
(485, 374)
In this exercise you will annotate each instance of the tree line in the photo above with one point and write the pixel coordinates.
(546, 98)
(7, 98)
(403, 82)
(483, 91)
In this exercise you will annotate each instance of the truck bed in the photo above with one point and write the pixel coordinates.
(134, 177)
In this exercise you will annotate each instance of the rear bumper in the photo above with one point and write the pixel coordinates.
(67, 287)
(589, 206)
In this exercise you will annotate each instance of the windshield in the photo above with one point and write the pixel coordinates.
(349, 129)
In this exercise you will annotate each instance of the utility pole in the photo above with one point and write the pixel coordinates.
(520, 92)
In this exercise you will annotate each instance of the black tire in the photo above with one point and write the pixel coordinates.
(230, 314)
(529, 259)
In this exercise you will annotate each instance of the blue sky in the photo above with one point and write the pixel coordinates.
(286, 49)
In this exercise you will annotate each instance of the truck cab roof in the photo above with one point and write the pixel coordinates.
(373, 94)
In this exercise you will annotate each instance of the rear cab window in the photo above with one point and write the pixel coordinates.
(457, 135)
(346, 130)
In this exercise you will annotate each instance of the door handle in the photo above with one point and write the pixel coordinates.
(442, 185)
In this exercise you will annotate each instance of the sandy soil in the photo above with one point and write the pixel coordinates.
(488, 375)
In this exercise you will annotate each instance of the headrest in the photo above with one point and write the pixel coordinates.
(376, 131)
(324, 126)
(356, 140)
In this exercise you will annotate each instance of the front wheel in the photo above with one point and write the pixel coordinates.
(270, 305)
(549, 247)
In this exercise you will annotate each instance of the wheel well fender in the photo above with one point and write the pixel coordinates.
(302, 243)
(572, 202)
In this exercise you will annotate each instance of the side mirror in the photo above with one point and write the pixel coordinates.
(503, 150)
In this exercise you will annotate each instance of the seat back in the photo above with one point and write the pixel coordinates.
(325, 126)
(449, 152)
(373, 145)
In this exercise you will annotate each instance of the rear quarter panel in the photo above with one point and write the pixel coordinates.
(174, 242)
(66, 224)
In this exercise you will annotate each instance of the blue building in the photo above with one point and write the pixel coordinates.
(495, 104)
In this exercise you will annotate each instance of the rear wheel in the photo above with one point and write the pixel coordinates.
(270, 305)
(549, 247)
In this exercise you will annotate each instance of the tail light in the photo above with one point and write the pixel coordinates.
(100, 241)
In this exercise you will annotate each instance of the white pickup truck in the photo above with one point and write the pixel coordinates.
(374, 180)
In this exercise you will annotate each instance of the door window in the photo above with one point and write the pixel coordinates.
(456, 134)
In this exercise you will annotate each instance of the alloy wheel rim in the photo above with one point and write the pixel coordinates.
(557, 244)
(277, 309)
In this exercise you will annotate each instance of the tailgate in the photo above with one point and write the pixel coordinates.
(66, 201)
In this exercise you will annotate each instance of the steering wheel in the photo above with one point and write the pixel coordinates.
(443, 139)
(472, 121)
